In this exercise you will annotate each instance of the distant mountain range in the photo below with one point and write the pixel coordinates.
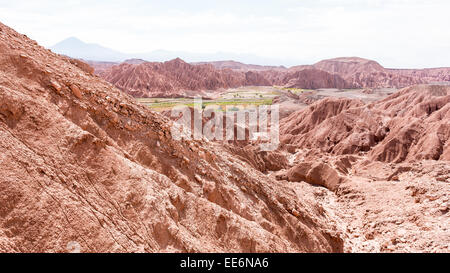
(75, 48)
(174, 78)
(240, 66)
(151, 74)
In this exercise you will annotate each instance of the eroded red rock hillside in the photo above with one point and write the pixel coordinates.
(413, 124)
(386, 161)
(83, 163)
(170, 79)
(177, 78)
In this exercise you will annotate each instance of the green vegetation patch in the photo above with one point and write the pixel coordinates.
(219, 103)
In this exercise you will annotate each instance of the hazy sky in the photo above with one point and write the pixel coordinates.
(397, 33)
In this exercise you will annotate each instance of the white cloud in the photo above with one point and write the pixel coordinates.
(398, 33)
